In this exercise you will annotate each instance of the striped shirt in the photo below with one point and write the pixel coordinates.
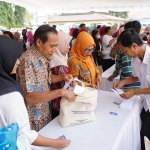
(123, 67)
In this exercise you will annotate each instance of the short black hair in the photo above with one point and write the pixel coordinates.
(9, 33)
(128, 37)
(107, 29)
(133, 24)
(54, 26)
(98, 27)
(81, 25)
(42, 31)
(75, 33)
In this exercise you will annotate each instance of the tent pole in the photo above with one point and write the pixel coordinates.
(36, 17)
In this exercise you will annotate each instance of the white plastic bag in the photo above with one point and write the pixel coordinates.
(81, 110)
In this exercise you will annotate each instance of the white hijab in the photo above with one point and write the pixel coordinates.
(57, 58)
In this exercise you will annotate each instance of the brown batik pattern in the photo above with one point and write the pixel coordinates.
(32, 75)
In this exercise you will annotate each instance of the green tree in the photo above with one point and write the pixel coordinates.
(119, 14)
(28, 19)
(6, 15)
(19, 16)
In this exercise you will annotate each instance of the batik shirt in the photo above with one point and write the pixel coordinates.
(80, 70)
(32, 75)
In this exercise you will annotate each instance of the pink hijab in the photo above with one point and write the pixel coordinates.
(57, 58)
(30, 37)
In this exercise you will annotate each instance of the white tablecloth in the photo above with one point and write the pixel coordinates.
(107, 85)
(108, 132)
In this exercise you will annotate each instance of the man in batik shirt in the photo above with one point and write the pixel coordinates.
(34, 77)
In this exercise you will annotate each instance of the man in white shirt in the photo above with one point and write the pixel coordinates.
(133, 46)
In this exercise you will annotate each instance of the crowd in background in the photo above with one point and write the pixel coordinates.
(43, 61)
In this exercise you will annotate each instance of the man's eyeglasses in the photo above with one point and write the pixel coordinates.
(90, 50)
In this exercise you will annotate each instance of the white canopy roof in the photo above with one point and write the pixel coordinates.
(71, 6)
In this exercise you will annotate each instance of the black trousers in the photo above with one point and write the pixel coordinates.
(107, 63)
(145, 129)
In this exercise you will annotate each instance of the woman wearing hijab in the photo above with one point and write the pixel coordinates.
(30, 39)
(12, 107)
(59, 66)
(16, 37)
(81, 63)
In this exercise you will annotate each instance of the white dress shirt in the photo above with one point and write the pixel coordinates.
(142, 71)
(13, 110)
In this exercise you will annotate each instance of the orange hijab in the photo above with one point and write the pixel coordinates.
(83, 41)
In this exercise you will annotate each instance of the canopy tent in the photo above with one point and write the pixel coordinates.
(72, 6)
(85, 17)
(139, 14)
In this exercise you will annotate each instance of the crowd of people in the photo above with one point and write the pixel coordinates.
(34, 68)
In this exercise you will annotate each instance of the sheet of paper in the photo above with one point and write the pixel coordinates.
(114, 91)
(118, 91)
(63, 137)
(67, 84)
(127, 104)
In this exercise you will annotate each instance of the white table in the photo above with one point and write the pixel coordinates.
(108, 132)
(107, 85)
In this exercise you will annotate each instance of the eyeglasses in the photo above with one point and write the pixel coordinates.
(90, 50)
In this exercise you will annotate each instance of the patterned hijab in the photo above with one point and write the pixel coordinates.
(83, 41)
(10, 51)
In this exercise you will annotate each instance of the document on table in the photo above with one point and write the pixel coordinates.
(126, 104)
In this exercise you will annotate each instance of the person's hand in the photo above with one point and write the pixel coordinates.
(128, 94)
(118, 85)
(60, 143)
(100, 52)
(110, 78)
(99, 80)
(68, 95)
(92, 86)
(66, 77)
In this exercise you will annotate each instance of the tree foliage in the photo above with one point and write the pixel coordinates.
(28, 18)
(6, 15)
(119, 14)
(19, 16)
(11, 16)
